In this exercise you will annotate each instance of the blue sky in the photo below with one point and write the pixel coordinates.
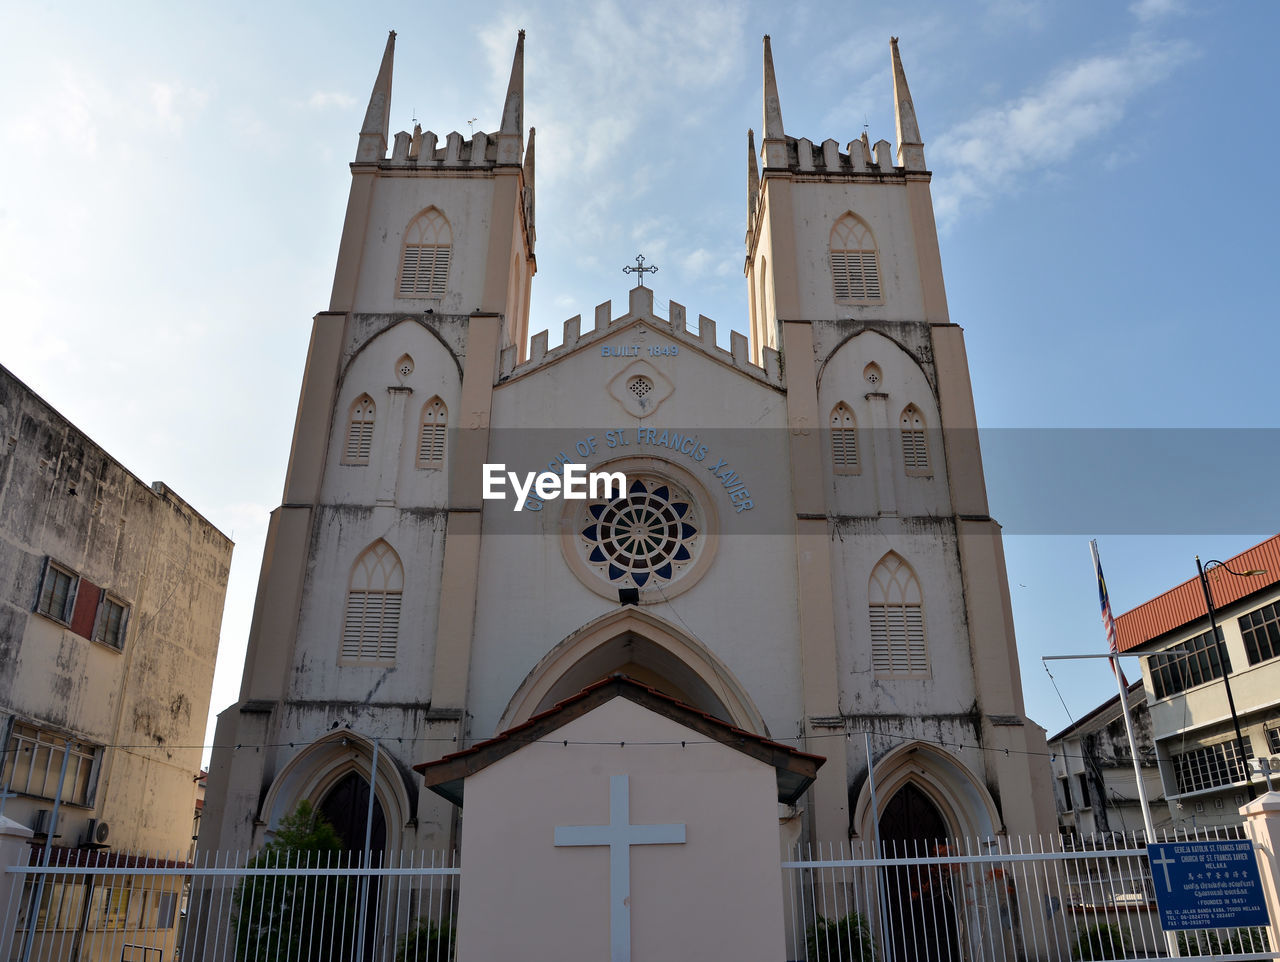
(176, 179)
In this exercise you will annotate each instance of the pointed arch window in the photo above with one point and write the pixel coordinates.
(915, 442)
(899, 645)
(844, 440)
(855, 267)
(371, 622)
(359, 431)
(424, 262)
(432, 431)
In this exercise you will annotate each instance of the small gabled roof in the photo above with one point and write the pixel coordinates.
(796, 770)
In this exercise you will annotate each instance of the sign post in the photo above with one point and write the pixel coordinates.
(1207, 885)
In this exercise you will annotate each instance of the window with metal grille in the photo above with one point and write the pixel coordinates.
(1197, 662)
(432, 431)
(855, 268)
(915, 443)
(424, 262)
(371, 623)
(33, 764)
(1261, 632)
(111, 622)
(1273, 741)
(844, 440)
(1211, 766)
(359, 431)
(57, 592)
(899, 645)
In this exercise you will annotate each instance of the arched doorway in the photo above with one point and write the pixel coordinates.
(346, 808)
(638, 643)
(920, 899)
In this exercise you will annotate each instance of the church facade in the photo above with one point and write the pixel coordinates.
(802, 547)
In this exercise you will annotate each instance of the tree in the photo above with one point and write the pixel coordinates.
(289, 918)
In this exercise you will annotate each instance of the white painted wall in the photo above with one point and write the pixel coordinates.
(522, 897)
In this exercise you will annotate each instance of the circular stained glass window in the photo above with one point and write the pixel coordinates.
(644, 538)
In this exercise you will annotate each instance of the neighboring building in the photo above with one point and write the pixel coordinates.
(1094, 784)
(1204, 780)
(804, 549)
(110, 608)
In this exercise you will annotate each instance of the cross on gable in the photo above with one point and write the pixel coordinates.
(619, 835)
(640, 270)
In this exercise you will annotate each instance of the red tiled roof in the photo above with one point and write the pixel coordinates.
(1185, 604)
(444, 775)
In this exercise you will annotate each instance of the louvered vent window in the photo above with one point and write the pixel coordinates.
(359, 431)
(899, 645)
(915, 444)
(844, 440)
(432, 433)
(424, 264)
(371, 625)
(855, 267)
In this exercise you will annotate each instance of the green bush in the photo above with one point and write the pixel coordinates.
(287, 917)
(1101, 941)
(1207, 942)
(427, 941)
(840, 940)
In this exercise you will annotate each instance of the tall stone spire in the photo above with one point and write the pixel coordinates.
(528, 187)
(377, 119)
(775, 139)
(753, 181)
(910, 146)
(509, 143)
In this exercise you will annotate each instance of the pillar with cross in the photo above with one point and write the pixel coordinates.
(700, 793)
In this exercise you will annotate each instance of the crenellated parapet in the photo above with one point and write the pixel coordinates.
(640, 309)
(425, 148)
(857, 157)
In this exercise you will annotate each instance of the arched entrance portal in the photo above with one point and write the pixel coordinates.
(638, 643)
(921, 899)
(346, 808)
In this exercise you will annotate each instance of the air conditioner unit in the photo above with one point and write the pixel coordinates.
(41, 825)
(97, 833)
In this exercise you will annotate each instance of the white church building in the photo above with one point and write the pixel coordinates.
(803, 550)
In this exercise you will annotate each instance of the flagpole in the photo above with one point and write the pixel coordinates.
(1113, 642)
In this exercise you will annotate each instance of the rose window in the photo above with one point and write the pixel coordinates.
(644, 538)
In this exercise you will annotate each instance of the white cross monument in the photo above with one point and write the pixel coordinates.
(619, 835)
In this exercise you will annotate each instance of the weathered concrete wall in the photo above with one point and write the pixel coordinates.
(144, 705)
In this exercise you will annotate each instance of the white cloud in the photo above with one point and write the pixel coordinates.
(994, 151)
(323, 99)
(1149, 10)
(175, 104)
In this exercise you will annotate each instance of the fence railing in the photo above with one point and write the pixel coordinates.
(233, 908)
(995, 900)
(998, 900)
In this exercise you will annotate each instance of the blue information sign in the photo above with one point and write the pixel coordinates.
(1207, 885)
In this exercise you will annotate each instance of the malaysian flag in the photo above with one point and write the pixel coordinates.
(1108, 622)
